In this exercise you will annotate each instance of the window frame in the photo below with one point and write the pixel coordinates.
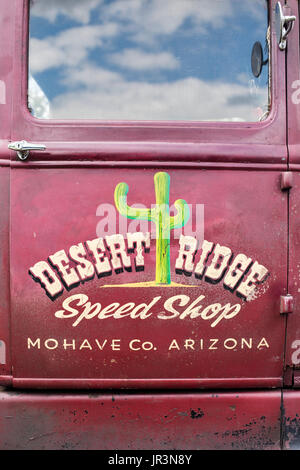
(159, 140)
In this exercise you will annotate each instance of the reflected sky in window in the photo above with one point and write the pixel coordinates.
(147, 59)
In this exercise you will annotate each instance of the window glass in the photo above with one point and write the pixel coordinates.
(147, 60)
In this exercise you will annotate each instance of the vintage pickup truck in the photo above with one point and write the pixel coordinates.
(149, 224)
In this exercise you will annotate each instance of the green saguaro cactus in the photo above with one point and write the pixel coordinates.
(160, 215)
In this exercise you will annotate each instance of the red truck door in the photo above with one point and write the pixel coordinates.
(146, 253)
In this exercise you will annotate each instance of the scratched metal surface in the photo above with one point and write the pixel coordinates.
(50, 421)
(291, 420)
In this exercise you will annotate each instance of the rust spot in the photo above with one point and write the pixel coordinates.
(196, 414)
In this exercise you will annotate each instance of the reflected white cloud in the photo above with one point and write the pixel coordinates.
(107, 95)
(75, 9)
(149, 59)
(137, 59)
(164, 18)
(68, 48)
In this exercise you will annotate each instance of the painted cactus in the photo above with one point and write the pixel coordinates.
(160, 215)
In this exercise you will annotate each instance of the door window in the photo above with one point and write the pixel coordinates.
(187, 60)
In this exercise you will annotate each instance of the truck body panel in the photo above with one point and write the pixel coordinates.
(184, 341)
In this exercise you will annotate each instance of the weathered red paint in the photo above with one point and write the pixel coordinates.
(233, 222)
(291, 420)
(208, 364)
(233, 420)
(242, 175)
(292, 349)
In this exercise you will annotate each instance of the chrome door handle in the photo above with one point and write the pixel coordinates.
(284, 26)
(22, 147)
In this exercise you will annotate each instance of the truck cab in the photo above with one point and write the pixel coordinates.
(150, 224)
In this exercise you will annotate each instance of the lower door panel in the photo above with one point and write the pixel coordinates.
(235, 420)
